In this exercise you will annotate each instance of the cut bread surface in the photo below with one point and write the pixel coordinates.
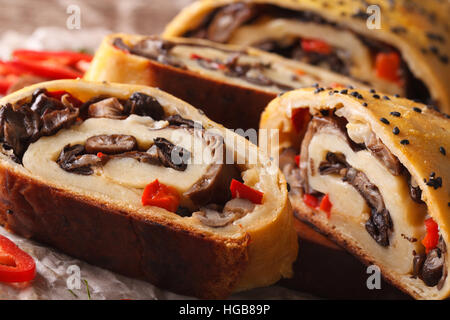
(243, 79)
(372, 176)
(107, 146)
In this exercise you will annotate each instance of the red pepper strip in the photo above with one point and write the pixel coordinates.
(314, 45)
(432, 237)
(46, 70)
(159, 195)
(300, 117)
(7, 68)
(311, 201)
(387, 66)
(297, 160)
(325, 205)
(240, 190)
(68, 56)
(4, 86)
(15, 265)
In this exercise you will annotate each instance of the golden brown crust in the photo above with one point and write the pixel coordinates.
(225, 101)
(419, 29)
(148, 243)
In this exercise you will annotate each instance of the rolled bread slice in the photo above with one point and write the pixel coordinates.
(137, 181)
(373, 174)
(398, 47)
(232, 84)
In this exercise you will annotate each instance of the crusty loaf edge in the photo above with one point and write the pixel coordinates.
(170, 255)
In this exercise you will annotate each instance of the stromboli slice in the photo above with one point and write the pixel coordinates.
(408, 54)
(134, 180)
(232, 84)
(373, 175)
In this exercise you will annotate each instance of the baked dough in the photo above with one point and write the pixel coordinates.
(241, 80)
(69, 186)
(382, 162)
(417, 30)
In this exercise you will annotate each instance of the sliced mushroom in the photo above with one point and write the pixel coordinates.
(55, 120)
(107, 108)
(432, 268)
(179, 121)
(382, 153)
(214, 186)
(172, 156)
(213, 218)
(111, 144)
(145, 105)
(414, 190)
(333, 165)
(228, 19)
(233, 210)
(73, 159)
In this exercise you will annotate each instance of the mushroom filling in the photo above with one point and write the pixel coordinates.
(235, 22)
(98, 150)
(130, 143)
(233, 64)
(431, 267)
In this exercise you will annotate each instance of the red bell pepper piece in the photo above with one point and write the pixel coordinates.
(66, 57)
(432, 237)
(4, 86)
(311, 201)
(297, 160)
(326, 205)
(314, 45)
(387, 66)
(50, 71)
(240, 190)
(159, 195)
(15, 264)
(300, 117)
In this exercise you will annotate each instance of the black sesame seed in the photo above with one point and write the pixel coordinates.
(351, 87)
(372, 91)
(315, 85)
(448, 204)
(396, 130)
(434, 49)
(433, 174)
(435, 183)
(396, 114)
(442, 150)
(9, 211)
(417, 109)
(354, 94)
(288, 187)
(404, 141)
(397, 95)
(444, 59)
(386, 98)
(376, 96)
(384, 120)
(365, 104)
(344, 91)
